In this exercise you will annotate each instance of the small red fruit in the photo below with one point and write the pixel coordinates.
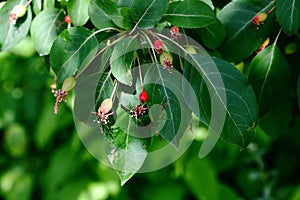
(259, 18)
(174, 32)
(68, 19)
(143, 96)
(158, 45)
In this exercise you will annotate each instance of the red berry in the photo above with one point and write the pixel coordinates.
(143, 96)
(259, 18)
(68, 19)
(174, 32)
(158, 45)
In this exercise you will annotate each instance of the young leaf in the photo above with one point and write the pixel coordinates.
(190, 14)
(288, 15)
(12, 33)
(52, 20)
(74, 47)
(269, 75)
(78, 11)
(237, 20)
(240, 103)
(146, 13)
(122, 58)
(100, 13)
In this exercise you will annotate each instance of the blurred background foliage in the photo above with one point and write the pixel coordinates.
(42, 156)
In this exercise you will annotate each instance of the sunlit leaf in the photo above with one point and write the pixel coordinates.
(13, 32)
(74, 47)
(146, 13)
(45, 28)
(78, 11)
(190, 14)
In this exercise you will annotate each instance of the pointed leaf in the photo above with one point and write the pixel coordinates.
(122, 58)
(100, 13)
(78, 11)
(172, 116)
(146, 13)
(288, 15)
(125, 152)
(12, 33)
(190, 14)
(237, 20)
(269, 75)
(74, 47)
(123, 18)
(45, 28)
(240, 103)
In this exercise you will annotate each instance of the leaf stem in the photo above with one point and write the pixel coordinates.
(275, 42)
(114, 90)
(140, 71)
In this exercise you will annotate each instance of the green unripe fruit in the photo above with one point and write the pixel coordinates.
(191, 49)
(19, 10)
(166, 60)
(290, 48)
(105, 106)
(68, 84)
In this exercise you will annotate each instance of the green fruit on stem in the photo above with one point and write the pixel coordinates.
(166, 60)
(68, 84)
(191, 49)
(19, 10)
(290, 48)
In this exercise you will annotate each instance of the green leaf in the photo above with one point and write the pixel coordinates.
(104, 88)
(171, 116)
(240, 103)
(78, 11)
(73, 48)
(201, 178)
(146, 13)
(269, 76)
(237, 20)
(276, 122)
(37, 6)
(122, 58)
(212, 35)
(123, 18)
(12, 33)
(288, 15)
(100, 13)
(125, 152)
(48, 4)
(45, 28)
(190, 14)
(298, 90)
(125, 3)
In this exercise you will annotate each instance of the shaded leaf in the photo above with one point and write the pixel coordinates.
(288, 15)
(78, 11)
(122, 58)
(298, 91)
(190, 14)
(237, 20)
(172, 115)
(269, 75)
(100, 13)
(52, 20)
(276, 122)
(239, 103)
(123, 18)
(146, 13)
(74, 47)
(12, 33)
(125, 152)
(212, 35)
